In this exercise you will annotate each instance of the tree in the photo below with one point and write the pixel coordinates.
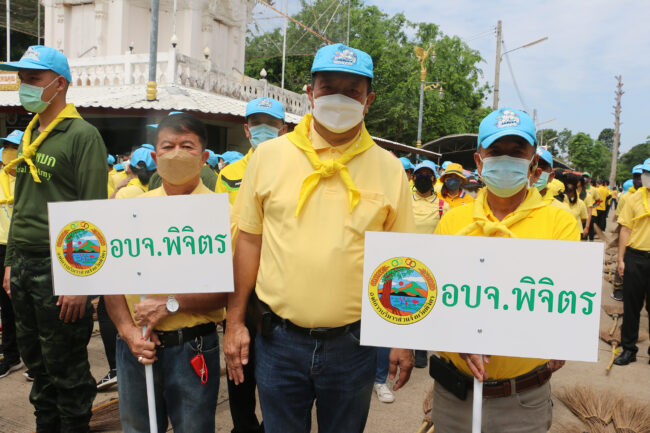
(588, 155)
(394, 114)
(606, 136)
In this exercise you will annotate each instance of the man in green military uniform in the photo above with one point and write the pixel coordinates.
(61, 158)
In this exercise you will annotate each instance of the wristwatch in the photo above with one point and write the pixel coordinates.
(172, 305)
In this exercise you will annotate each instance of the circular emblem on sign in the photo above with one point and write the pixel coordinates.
(81, 248)
(402, 290)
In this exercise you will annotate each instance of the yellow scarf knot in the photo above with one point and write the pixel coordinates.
(29, 149)
(323, 169)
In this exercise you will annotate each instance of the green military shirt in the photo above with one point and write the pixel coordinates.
(208, 177)
(71, 165)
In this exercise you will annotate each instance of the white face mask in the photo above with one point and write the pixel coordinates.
(645, 179)
(337, 112)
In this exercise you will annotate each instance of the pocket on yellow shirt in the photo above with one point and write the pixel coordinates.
(369, 214)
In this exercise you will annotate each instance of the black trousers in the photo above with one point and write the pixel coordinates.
(599, 219)
(9, 345)
(108, 331)
(241, 397)
(636, 287)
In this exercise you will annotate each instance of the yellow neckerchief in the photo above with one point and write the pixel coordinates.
(29, 148)
(532, 201)
(5, 182)
(644, 191)
(135, 181)
(300, 137)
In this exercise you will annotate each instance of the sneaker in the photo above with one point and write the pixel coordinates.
(384, 393)
(7, 367)
(617, 295)
(107, 381)
(29, 375)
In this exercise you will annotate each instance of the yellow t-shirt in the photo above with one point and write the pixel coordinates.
(623, 200)
(604, 193)
(545, 222)
(637, 205)
(114, 179)
(230, 177)
(179, 320)
(595, 195)
(311, 266)
(578, 210)
(427, 212)
(589, 199)
(5, 212)
(461, 199)
(133, 189)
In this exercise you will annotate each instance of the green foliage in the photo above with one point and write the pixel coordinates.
(634, 156)
(556, 142)
(586, 154)
(606, 136)
(389, 40)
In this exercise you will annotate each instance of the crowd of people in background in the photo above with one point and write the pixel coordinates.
(301, 202)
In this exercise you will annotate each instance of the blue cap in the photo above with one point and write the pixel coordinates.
(406, 163)
(42, 58)
(110, 160)
(155, 125)
(149, 146)
(266, 106)
(118, 167)
(213, 159)
(503, 122)
(1, 149)
(445, 164)
(15, 137)
(143, 154)
(231, 156)
(646, 165)
(341, 58)
(637, 169)
(627, 185)
(545, 155)
(425, 164)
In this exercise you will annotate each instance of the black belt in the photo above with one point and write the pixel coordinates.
(644, 254)
(183, 335)
(318, 333)
(503, 388)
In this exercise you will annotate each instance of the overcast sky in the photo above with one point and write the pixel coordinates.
(569, 77)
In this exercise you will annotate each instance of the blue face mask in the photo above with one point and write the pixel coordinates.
(542, 181)
(505, 175)
(262, 133)
(452, 184)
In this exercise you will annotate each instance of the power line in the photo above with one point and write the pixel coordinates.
(514, 80)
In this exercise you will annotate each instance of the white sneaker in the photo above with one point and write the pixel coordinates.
(384, 393)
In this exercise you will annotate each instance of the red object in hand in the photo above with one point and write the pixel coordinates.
(201, 370)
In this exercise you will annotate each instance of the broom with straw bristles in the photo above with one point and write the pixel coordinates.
(631, 417)
(615, 312)
(614, 340)
(590, 406)
(106, 416)
(427, 406)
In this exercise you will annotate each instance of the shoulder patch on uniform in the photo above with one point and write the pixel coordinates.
(231, 184)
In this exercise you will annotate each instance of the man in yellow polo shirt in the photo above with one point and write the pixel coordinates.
(634, 264)
(307, 199)
(544, 183)
(452, 181)
(180, 326)
(507, 207)
(141, 167)
(264, 121)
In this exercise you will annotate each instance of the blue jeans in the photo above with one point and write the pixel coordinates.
(382, 364)
(293, 370)
(180, 395)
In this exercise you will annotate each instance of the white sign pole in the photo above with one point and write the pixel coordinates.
(151, 397)
(477, 409)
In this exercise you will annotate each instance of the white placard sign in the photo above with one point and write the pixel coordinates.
(174, 244)
(493, 296)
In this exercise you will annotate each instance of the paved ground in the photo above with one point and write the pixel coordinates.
(403, 416)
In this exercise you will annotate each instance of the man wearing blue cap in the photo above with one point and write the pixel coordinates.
(634, 264)
(307, 199)
(11, 361)
(408, 167)
(141, 168)
(547, 176)
(507, 207)
(264, 121)
(61, 158)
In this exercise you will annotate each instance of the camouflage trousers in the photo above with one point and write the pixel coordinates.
(56, 352)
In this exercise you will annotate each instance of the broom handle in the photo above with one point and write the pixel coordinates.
(477, 406)
(151, 397)
(431, 429)
(611, 331)
(423, 427)
(611, 362)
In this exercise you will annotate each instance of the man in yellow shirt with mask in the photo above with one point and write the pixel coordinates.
(634, 264)
(11, 361)
(307, 199)
(180, 326)
(507, 207)
(452, 181)
(264, 121)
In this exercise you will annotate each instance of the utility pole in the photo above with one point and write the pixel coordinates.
(347, 39)
(497, 69)
(284, 41)
(617, 132)
(153, 53)
(8, 33)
